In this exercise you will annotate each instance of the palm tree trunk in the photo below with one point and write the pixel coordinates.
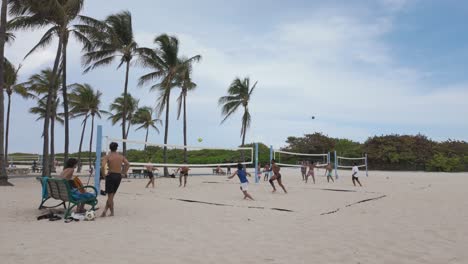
(45, 150)
(124, 117)
(185, 129)
(52, 144)
(166, 133)
(81, 143)
(91, 141)
(243, 137)
(128, 128)
(7, 130)
(146, 137)
(3, 21)
(65, 98)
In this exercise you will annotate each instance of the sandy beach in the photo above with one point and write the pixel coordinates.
(415, 217)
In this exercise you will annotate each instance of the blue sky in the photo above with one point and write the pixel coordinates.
(363, 68)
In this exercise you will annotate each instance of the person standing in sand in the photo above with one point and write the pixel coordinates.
(355, 175)
(244, 183)
(266, 170)
(117, 165)
(184, 170)
(276, 176)
(311, 172)
(304, 170)
(328, 172)
(149, 171)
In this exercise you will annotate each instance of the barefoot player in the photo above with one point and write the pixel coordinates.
(276, 176)
(311, 172)
(328, 172)
(117, 165)
(184, 170)
(244, 183)
(355, 175)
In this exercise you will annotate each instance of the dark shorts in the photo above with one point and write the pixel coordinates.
(184, 174)
(150, 174)
(113, 182)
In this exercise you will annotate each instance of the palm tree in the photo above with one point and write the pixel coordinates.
(239, 94)
(144, 117)
(59, 14)
(39, 85)
(85, 102)
(117, 110)
(167, 66)
(11, 87)
(186, 85)
(66, 11)
(3, 21)
(111, 39)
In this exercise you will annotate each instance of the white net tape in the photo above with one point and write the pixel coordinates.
(322, 163)
(350, 159)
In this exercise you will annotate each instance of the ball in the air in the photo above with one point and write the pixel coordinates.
(90, 215)
(313, 117)
(200, 139)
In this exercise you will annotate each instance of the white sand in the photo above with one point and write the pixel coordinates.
(422, 219)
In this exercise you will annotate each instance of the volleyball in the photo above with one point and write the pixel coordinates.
(90, 215)
(200, 139)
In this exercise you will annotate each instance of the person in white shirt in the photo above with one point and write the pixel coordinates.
(355, 175)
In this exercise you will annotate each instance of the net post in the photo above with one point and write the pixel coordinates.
(97, 167)
(256, 163)
(367, 171)
(328, 157)
(271, 157)
(336, 166)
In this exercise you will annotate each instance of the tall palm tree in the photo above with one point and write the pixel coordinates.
(144, 118)
(3, 38)
(186, 85)
(85, 102)
(66, 11)
(11, 87)
(39, 84)
(117, 110)
(40, 110)
(166, 66)
(58, 14)
(111, 39)
(239, 94)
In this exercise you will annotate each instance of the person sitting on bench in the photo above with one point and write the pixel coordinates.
(77, 193)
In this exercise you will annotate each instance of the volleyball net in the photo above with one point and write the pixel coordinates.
(294, 159)
(141, 153)
(350, 162)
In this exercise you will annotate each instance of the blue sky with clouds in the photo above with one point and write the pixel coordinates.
(362, 68)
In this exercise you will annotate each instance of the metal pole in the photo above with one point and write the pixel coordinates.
(256, 164)
(336, 166)
(367, 171)
(271, 157)
(97, 171)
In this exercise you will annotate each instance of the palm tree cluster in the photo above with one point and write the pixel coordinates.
(104, 42)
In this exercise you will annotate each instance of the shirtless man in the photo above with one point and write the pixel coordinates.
(311, 172)
(149, 170)
(183, 172)
(276, 176)
(117, 165)
(328, 172)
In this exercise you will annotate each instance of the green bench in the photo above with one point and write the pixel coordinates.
(60, 189)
